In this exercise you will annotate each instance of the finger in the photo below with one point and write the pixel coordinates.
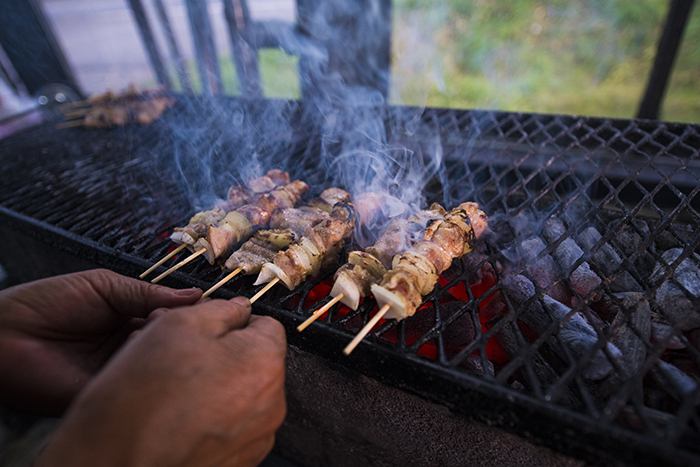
(155, 314)
(252, 454)
(218, 317)
(131, 297)
(268, 327)
(133, 335)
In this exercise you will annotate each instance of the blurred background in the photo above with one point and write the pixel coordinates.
(588, 57)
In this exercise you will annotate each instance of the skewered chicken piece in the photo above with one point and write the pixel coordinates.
(286, 225)
(416, 271)
(364, 268)
(237, 226)
(238, 196)
(318, 248)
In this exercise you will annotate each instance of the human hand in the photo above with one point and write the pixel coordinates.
(200, 385)
(56, 333)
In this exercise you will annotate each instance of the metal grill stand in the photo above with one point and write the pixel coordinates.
(570, 364)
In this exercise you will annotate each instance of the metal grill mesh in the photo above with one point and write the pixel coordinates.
(623, 191)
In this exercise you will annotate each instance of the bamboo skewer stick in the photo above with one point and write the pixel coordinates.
(264, 289)
(170, 255)
(76, 104)
(77, 112)
(317, 314)
(222, 282)
(179, 265)
(69, 124)
(368, 327)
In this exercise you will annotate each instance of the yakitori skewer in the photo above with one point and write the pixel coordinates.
(111, 109)
(237, 226)
(365, 330)
(165, 258)
(364, 268)
(286, 225)
(69, 124)
(264, 290)
(318, 313)
(238, 196)
(218, 285)
(255, 252)
(178, 266)
(318, 248)
(415, 272)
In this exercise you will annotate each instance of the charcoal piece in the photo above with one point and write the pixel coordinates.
(521, 224)
(677, 307)
(473, 363)
(582, 279)
(665, 240)
(495, 306)
(544, 270)
(673, 379)
(628, 240)
(460, 332)
(660, 332)
(473, 261)
(581, 337)
(576, 332)
(632, 328)
(606, 308)
(630, 236)
(674, 301)
(546, 374)
(687, 273)
(420, 323)
(518, 386)
(607, 260)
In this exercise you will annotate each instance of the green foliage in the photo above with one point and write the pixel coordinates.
(278, 74)
(566, 56)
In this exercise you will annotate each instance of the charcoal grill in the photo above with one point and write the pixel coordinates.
(113, 196)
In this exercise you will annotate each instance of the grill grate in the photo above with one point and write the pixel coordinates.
(600, 382)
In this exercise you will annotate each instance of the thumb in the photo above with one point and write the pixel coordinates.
(133, 298)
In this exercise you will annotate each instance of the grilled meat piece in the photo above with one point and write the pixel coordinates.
(298, 220)
(198, 226)
(287, 224)
(111, 109)
(317, 249)
(355, 279)
(283, 197)
(240, 224)
(260, 249)
(416, 271)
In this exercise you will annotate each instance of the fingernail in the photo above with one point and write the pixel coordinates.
(187, 292)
